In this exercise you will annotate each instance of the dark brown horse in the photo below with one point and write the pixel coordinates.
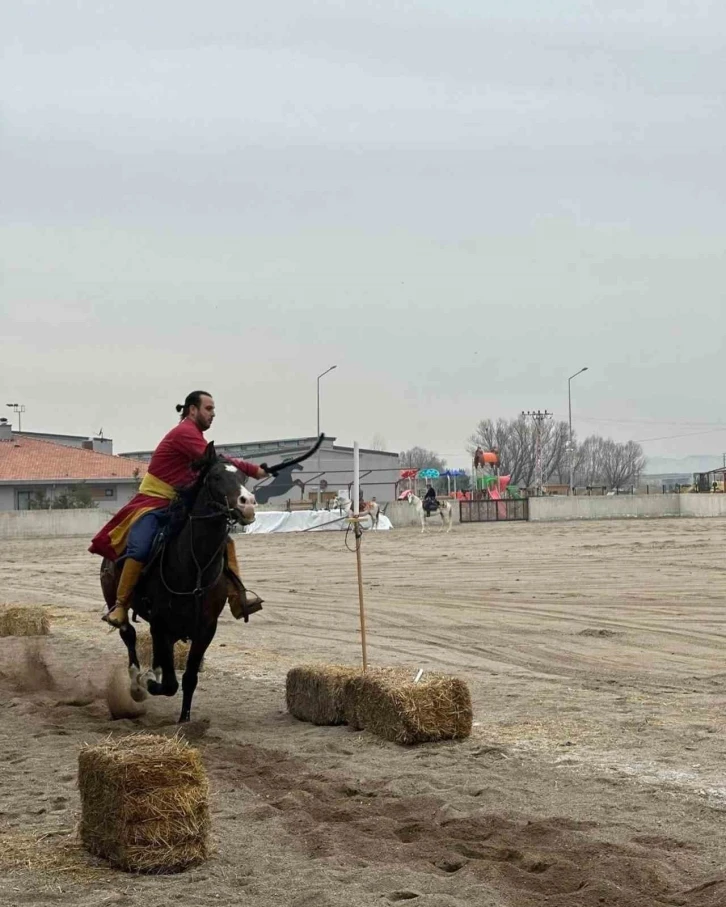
(184, 587)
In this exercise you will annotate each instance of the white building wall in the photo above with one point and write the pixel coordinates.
(123, 492)
(35, 524)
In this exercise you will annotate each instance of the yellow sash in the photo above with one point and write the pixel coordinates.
(156, 488)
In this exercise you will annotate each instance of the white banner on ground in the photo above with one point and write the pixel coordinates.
(299, 520)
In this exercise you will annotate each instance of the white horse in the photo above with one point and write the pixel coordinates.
(444, 511)
(345, 505)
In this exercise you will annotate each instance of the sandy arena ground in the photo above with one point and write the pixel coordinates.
(595, 775)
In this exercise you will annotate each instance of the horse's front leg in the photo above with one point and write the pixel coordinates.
(128, 635)
(163, 662)
(137, 688)
(191, 671)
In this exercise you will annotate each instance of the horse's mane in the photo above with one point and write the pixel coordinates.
(186, 495)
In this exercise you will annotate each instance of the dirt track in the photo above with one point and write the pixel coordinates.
(595, 775)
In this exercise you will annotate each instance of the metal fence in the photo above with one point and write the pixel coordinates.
(508, 510)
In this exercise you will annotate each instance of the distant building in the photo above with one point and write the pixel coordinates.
(324, 474)
(33, 469)
(668, 480)
(100, 445)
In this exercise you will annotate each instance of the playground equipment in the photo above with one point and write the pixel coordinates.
(488, 483)
(453, 474)
(408, 475)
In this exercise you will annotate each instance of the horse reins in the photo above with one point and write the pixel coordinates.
(221, 510)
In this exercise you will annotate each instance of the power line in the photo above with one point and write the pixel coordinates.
(647, 421)
(691, 434)
(538, 417)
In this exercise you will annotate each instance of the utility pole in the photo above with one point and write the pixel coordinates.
(572, 446)
(538, 417)
(319, 377)
(322, 375)
(18, 408)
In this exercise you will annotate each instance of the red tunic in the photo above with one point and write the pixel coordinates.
(177, 450)
(170, 468)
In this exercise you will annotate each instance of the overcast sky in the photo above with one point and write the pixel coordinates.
(456, 202)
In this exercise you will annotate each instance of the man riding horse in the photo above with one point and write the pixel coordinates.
(430, 502)
(132, 531)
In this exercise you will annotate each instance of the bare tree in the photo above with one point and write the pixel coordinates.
(622, 463)
(420, 458)
(515, 440)
(378, 442)
(588, 466)
(602, 461)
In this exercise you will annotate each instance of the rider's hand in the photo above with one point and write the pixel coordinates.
(261, 473)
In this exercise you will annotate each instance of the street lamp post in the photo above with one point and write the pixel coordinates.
(319, 377)
(320, 497)
(18, 408)
(572, 449)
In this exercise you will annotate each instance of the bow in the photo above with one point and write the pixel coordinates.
(276, 470)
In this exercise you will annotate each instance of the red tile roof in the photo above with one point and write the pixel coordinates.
(28, 459)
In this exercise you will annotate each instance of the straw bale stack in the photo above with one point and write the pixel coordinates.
(315, 692)
(144, 803)
(24, 620)
(390, 703)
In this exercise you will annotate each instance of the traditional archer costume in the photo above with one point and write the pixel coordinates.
(130, 533)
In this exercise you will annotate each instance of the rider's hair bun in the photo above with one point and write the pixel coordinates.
(179, 407)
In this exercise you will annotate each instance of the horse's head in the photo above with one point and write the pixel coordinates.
(220, 488)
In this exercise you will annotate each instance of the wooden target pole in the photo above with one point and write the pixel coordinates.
(358, 538)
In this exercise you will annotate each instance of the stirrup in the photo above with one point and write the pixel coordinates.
(253, 605)
(247, 607)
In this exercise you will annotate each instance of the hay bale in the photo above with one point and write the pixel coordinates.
(24, 620)
(144, 650)
(144, 803)
(388, 702)
(315, 692)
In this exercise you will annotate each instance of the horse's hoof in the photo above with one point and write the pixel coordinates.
(138, 694)
(137, 688)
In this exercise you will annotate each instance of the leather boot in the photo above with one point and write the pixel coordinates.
(241, 602)
(118, 616)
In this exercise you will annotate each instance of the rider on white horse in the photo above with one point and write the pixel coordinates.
(430, 504)
(443, 508)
